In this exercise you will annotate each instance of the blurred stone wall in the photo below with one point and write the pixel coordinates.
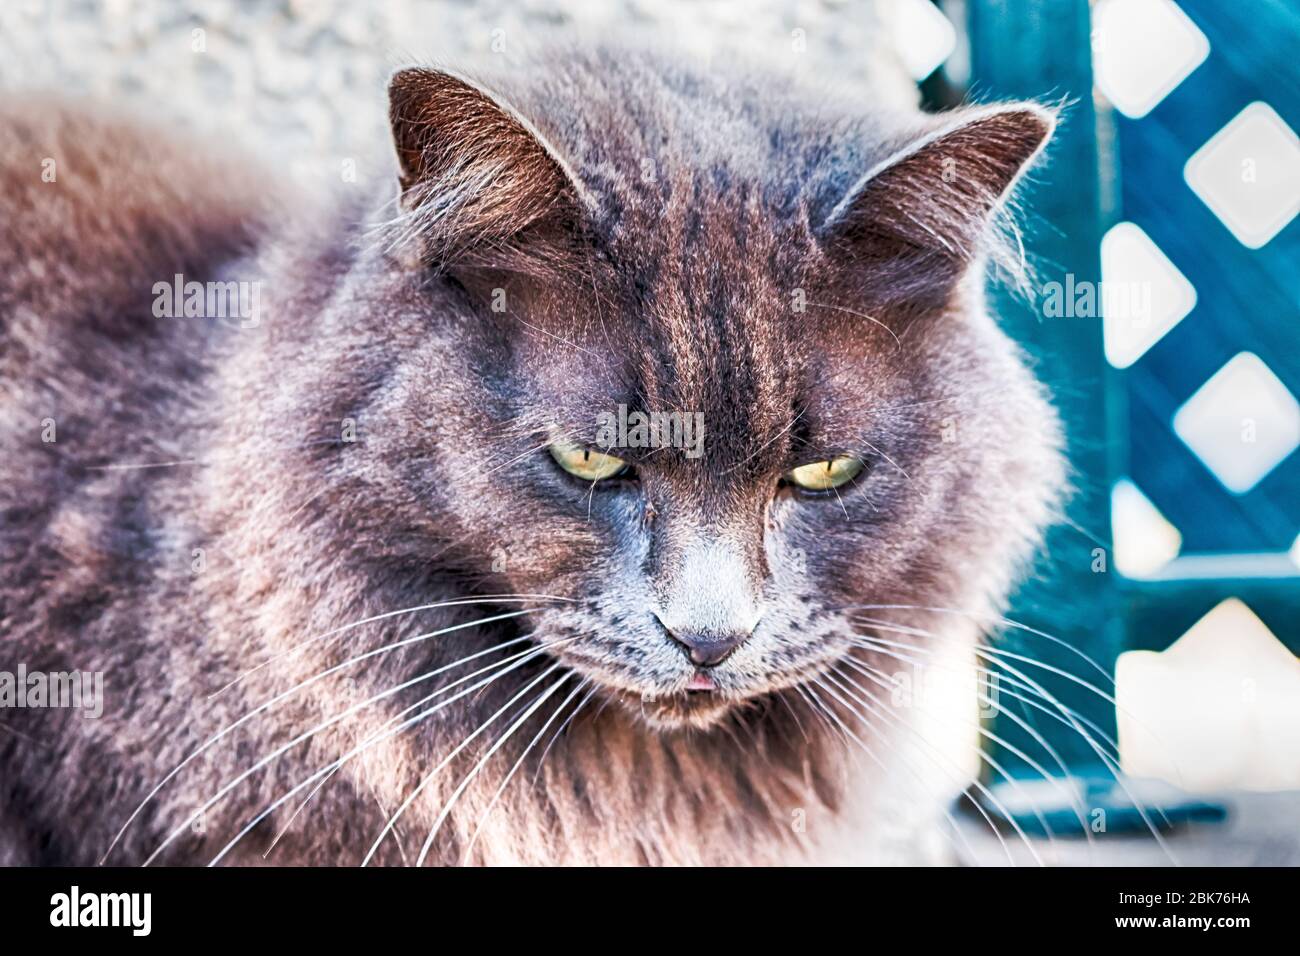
(305, 78)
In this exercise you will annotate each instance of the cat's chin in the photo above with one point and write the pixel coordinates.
(693, 710)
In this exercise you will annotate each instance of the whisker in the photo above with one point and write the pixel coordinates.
(560, 733)
(994, 618)
(397, 834)
(897, 466)
(482, 762)
(478, 827)
(990, 735)
(947, 814)
(863, 315)
(456, 602)
(527, 654)
(1000, 653)
(763, 447)
(886, 649)
(991, 655)
(374, 739)
(180, 462)
(512, 461)
(979, 751)
(841, 503)
(998, 656)
(827, 714)
(515, 661)
(559, 338)
(419, 788)
(217, 737)
(795, 714)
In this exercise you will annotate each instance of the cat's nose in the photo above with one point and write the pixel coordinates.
(709, 596)
(708, 650)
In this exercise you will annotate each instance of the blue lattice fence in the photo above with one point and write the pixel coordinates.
(1178, 181)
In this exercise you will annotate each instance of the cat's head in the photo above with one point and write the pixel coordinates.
(709, 364)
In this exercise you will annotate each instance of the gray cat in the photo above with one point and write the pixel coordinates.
(588, 502)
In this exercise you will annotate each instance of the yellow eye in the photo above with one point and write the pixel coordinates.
(586, 463)
(824, 475)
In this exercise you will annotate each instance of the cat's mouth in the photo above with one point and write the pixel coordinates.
(701, 683)
(702, 702)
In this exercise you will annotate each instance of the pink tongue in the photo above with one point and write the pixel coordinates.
(701, 681)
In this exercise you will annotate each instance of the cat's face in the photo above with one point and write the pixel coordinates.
(710, 543)
(837, 424)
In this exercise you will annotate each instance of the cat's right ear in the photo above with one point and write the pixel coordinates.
(926, 211)
(473, 171)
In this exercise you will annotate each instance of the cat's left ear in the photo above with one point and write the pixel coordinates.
(472, 169)
(937, 195)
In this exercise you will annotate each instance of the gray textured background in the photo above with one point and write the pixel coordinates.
(305, 78)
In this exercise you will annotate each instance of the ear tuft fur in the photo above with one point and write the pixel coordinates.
(934, 201)
(472, 170)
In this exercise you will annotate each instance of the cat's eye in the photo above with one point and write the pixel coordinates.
(587, 463)
(825, 475)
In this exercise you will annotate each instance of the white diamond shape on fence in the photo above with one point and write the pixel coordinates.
(1143, 294)
(1144, 540)
(923, 36)
(1241, 423)
(1141, 50)
(1249, 174)
(1218, 710)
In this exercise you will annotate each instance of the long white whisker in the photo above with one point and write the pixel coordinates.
(482, 762)
(415, 792)
(217, 737)
(1110, 764)
(867, 670)
(392, 690)
(1006, 685)
(991, 655)
(559, 732)
(377, 738)
(823, 710)
(326, 779)
(996, 833)
(979, 751)
(1003, 652)
(525, 654)
(457, 602)
(478, 827)
(987, 618)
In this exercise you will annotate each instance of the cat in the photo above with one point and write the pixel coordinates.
(361, 583)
